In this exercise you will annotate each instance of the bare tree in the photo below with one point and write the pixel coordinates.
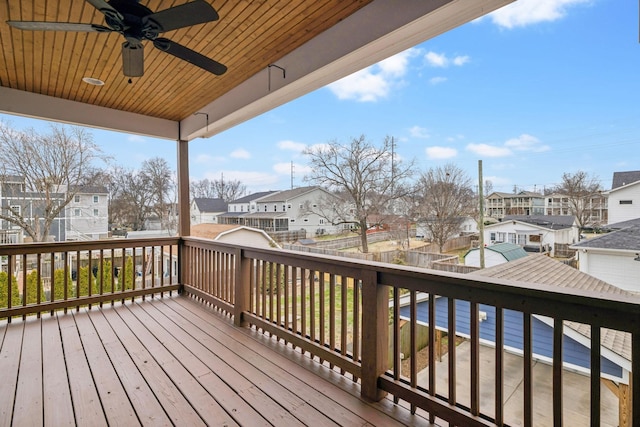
(218, 188)
(157, 173)
(582, 190)
(445, 197)
(367, 178)
(41, 174)
(131, 199)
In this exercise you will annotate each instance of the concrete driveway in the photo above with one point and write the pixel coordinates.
(575, 387)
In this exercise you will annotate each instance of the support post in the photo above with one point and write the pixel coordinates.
(184, 214)
(375, 335)
(242, 284)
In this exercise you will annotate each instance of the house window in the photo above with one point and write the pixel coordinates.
(265, 208)
(626, 202)
(95, 212)
(234, 208)
(275, 208)
(502, 237)
(512, 238)
(77, 212)
(289, 206)
(16, 210)
(321, 221)
(522, 239)
(292, 220)
(492, 237)
(284, 208)
(96, 199)
(76, 198)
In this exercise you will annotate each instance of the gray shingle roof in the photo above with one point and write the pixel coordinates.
(627, 238)
(546, 271)
(206, 204)
(623, 178)
(552, 222)
(283, 196)
(252, 197)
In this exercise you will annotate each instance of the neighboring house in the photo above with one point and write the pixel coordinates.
(613, 257)
(88, 214)
(495, 254)
(535, 233)
(596, 211)
(624, 197)
(498, 205)
(292, 210)
(205, 210)
(467, 225)
(234, 234)
(237, 209)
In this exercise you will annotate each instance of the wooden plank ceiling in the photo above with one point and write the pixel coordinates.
(249, 35)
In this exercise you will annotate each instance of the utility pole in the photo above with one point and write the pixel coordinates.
(292, 174)
(481, 216)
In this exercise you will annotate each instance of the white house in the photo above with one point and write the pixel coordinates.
(613, 257)
(205, 210)
(468, 225)
(535, 233)
(496, 254)
(239, 208)
(234, 234)
(292, 210)
(624, 197)
(88, 214)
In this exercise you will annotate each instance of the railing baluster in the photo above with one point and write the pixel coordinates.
(321, 293)
(303, 302)
(312, 306)
(432, 350)
(413, 345)
(528, 367)
(278, 300)
(499, 367)
(53, 276)
(558, 333)
(474, 383)
(101, 273)
(332, 314)
(264, 282)
(25, 297)
(595, 375)
(397, 363)
(356, 321)
(344, 321)
(39, 284)
(451, 350)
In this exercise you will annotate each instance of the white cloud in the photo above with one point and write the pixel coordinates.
(437, 153)
(206, 158)
(526, 143)
(375, 82)
(437, 80)
(440, 60)
(136, 138)
(486, 150)
(291, 145)
(240, 153)
(419, 132)
(497, 181)
(285, 169)
(528, 12)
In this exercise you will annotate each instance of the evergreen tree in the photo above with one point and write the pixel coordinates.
(15, 295)
(32, 288)
(58, 284)
(86, 282)
(126, 274)
(107, 274)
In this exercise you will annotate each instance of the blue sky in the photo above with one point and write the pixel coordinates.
(538, 88)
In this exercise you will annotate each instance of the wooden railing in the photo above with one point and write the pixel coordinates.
(52, 276)
(348, 314)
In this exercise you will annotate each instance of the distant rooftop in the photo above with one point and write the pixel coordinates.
(624, 178)
(626, 239)
(510, 251)
(207, 204)
(254, 196)
(552, 222)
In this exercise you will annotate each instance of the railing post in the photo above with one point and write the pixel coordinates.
(241, 287)
(375, 334)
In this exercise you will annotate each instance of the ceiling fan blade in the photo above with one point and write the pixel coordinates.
(189, 55)
(106, 9)
(185, 15)
(132, 59)
(57, 26)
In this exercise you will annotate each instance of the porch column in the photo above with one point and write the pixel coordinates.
(184, 207)
(184, 214)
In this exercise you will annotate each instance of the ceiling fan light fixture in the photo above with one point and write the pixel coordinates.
(93, 81)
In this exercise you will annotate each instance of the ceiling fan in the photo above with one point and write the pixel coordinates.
(137, 23)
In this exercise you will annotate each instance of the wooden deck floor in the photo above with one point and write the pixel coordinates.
(168, 361)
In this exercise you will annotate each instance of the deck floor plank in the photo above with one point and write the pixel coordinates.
(197, 410)
(84, 393)
(284, 377)
(28, 405)
(58, 408)
(9, 366)
(260, 402)
(146, 405)
(115, 402)
(289, 398)
(170, 361)
(190, 355)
